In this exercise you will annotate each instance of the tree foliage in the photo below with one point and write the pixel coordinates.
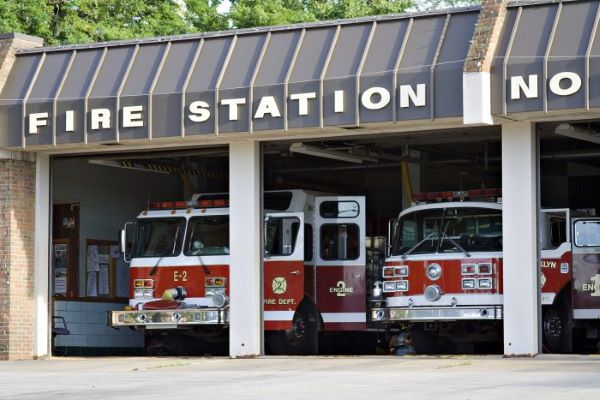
(83, 21)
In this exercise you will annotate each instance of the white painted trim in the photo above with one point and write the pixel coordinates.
(41, 331)
(344, 317)
(124, 79)
(559, 252)
(246, 272)
(473, 299)
(180, 261)
(477, 98)
(190, 301)
(279, 315)
(447, 256)
(434, 64)
(590, 313)
(453, 204)
(519, 232)
(324, 74)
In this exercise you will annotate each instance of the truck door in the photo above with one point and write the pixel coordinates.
(555, 246)
(586, 268)
(283, 268)
(341, 261)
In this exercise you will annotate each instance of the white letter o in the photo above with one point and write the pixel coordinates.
(384, 98)
(573, 87)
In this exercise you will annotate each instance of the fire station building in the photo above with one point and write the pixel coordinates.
(501, 95)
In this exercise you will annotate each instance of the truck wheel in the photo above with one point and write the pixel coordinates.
(555, 329)
(302, 338)
(425, 342)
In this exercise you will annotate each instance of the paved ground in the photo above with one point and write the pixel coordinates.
(373, 378)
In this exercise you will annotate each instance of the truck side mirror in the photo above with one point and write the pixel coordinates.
(392, 226)
(266, 221)
(123, 240)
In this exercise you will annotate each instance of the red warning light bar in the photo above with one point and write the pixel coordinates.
(488, 194)
(181, 205)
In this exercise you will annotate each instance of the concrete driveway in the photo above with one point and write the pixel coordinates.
(377, 377)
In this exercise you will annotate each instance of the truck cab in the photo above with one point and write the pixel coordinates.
(314, 263)
(443, 275)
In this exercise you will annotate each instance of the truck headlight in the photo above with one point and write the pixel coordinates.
(138, 293)
(434, 271)
(401, 270)
(148, 293)
(389, 286)
(485, 284)
(211, 292)
(468, 283)
(433, 293)
(220, 300)
(402, 286)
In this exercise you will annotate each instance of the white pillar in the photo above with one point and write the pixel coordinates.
(41, 344)
(245, 319)
(519, 230)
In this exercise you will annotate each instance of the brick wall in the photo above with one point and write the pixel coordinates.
(485, 37)
(17, 229)
(17, 252)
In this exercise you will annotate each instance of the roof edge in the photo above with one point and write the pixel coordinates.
(22, 36)
(249, 31)
(532, 3)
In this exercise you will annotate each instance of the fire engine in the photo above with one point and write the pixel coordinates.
(443, 276)
(314, 268)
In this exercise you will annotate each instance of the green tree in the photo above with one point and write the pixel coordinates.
(84, 21)
(250, 13)
(81, 21)
(203, 16)
(338, 9)
(33, 17)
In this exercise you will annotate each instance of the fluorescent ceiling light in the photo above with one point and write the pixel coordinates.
(331, 154)
(574, 132)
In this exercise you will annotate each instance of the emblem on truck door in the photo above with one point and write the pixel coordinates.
(279, 285)
(594, 286)
(340, 289)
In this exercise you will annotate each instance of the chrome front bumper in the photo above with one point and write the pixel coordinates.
(481, 313)
(169, 319)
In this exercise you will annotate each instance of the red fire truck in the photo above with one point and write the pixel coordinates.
(314, 268)
(443, 277)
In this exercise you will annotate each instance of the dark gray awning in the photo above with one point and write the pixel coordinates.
(343, 73)
(548, 59)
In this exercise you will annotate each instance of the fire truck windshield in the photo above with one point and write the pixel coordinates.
(467, 229)
(158, 237)
(207, 236)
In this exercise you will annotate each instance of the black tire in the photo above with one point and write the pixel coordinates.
(425, 342)
(169, 344)
(556, 329)
(302, 338)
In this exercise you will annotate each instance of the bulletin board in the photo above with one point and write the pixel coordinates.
(102, 259)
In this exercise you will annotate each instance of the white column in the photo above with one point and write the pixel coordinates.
(245, 173)
(519, 221)
(41, 344)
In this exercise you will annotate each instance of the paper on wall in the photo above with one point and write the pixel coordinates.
(91, 284)
(92, 258)
(103, 258)
(103, 286)
(114, 251)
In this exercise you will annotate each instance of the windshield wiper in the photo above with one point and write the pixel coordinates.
(166, 253)
(454, 242)
(418, 244)
(163, 255)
